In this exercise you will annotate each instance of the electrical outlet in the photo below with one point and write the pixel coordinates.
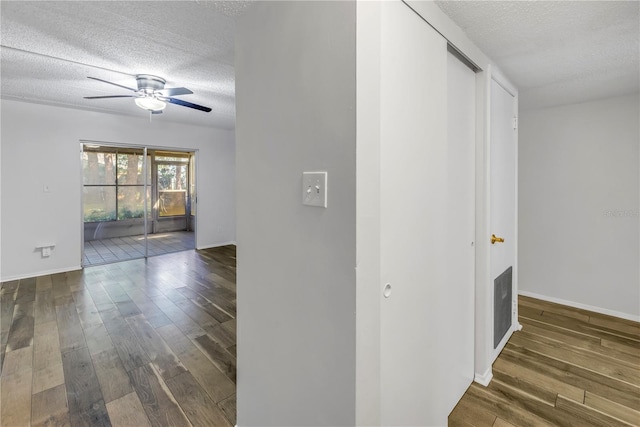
(46, 251)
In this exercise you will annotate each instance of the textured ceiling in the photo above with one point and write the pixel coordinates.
(557, 52)
(49, 48)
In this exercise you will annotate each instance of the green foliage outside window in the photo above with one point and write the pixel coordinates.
(113, 186)
(96, 215)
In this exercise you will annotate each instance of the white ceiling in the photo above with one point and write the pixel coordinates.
(557, 52)
(49, 48)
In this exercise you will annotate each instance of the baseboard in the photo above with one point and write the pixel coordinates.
(217, 245)
(40, 273)
(484, 379)
(574, 304)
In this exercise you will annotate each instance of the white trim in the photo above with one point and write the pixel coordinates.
(194, 197)
(516, 263)
(485, 378)
(41, 273)
(145, 188)
(217, 245)
(440, 22)
(606, 311)
(81, 203)
(483, 285)
(499, 77)
(135, 145)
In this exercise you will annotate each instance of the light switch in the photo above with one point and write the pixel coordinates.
(314, 189)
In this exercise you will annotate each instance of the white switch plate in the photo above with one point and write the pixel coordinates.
(314, 189)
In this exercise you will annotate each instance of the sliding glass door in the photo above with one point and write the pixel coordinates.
(129, 193)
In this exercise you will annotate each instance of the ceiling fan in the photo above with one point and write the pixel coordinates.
(151, 94)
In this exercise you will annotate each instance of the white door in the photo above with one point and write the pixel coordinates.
(503, 187)
(427, 204)
(459, 298)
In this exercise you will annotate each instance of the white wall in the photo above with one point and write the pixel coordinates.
(579, 211)
(41, 145)
(295, 96)
(368, 281)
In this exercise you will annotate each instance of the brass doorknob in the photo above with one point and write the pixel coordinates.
(495, 239)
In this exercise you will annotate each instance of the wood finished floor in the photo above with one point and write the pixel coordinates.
(129, 344)
(567, 367)
(139, 344)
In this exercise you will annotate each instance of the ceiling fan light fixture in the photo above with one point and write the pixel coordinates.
(151, 95)
(150, 103)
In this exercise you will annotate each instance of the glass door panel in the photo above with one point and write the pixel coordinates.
(172, 179)
(114, 198)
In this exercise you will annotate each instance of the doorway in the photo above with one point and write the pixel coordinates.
(136, 202)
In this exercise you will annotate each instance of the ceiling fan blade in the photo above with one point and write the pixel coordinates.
(174, 91)
(156, 112)
(110, 96)
(185, 104)
(111, 83)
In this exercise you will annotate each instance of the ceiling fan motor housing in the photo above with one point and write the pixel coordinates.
(148, 83)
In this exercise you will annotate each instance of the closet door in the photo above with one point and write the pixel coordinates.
(427, 211)
(503, 202)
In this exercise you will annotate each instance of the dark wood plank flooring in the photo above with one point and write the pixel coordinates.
(567, 367)
(146, 343)
(137, 343)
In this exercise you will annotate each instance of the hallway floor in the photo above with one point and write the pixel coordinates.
(566, 367)
(97, 252)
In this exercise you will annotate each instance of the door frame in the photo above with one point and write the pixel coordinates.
(485, 354)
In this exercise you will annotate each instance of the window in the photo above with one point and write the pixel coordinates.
(113, 184)
(172, 188)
